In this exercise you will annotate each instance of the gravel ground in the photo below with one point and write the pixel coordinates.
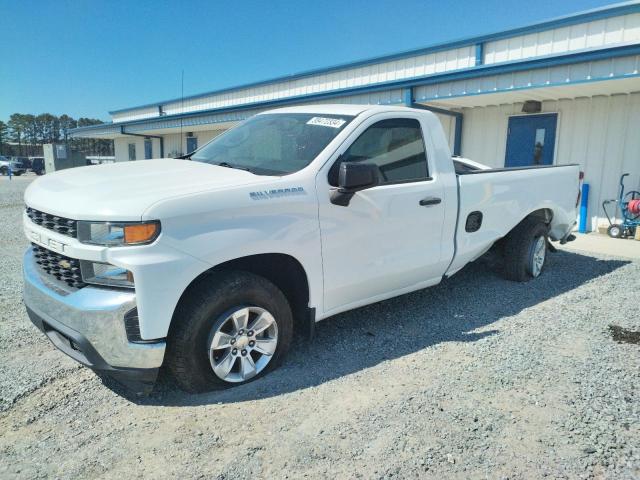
(475, 378)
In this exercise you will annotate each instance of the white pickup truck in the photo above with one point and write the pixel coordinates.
(209, 264)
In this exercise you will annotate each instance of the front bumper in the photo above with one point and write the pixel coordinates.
(88, 325)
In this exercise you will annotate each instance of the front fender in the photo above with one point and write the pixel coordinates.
(217, 227)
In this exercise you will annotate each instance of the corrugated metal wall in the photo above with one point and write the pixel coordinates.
(541, 77)
(386, 97)
(137, 114)
(600, 133)
(121, 148)
(414, 66)
(598, 33)
(449, 126)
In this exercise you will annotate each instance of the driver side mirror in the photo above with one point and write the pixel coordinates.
(353, 177)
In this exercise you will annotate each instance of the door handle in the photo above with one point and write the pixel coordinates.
(425, 202)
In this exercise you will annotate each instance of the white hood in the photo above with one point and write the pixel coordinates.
(123, 191)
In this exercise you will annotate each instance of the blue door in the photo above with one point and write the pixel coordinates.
(192, 144)
(148, 149)
(531, 140)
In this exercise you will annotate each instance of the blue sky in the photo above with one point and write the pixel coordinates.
(85, 58)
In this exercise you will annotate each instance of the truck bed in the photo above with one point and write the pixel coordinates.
(504, 196)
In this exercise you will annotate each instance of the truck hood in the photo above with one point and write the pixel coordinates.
(123, 191)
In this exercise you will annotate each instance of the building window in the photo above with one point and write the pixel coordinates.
(132, 151)
(148, 149)
(192, 144)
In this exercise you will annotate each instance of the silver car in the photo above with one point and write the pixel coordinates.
(17, 168)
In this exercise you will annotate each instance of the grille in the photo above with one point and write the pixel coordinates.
(61, 225)
(59, 266)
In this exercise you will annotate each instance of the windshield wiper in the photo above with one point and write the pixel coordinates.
(228, 165)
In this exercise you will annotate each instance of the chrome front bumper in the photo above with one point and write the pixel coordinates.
(87, 324)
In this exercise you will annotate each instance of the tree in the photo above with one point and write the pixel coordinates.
(31, 131)
(66, 124)
(48, 127)
(17, 128)
(4, 133)
(91, 145)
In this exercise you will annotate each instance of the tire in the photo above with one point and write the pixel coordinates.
(3, 171)
(615, 231)
(205, 313)
(522, 248)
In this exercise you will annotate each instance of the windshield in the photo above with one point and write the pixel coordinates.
(273, 144)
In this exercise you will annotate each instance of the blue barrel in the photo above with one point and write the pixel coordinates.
(584, 201)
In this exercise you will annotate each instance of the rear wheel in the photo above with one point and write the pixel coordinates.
(231, 328)
(615, 231)
(525, 250)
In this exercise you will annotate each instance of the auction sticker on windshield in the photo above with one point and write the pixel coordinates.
(326, 122)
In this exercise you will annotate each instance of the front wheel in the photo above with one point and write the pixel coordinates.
(525, 250)
(231, 328)
(241, 343)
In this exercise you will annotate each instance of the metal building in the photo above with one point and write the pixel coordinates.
(562, 91)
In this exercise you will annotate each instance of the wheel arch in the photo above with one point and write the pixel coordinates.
(284, 271)
(545, 214)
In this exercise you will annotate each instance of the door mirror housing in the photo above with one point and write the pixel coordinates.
(353, 177)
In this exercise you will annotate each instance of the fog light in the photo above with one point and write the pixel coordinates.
(105, 274)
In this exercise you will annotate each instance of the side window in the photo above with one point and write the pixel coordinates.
(395, 145)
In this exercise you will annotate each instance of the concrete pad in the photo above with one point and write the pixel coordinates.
(603, 244)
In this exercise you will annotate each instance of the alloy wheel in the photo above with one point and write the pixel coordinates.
(243, 344)
(538, 256)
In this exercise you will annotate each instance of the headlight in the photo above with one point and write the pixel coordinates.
(105, 274)
(115, 234)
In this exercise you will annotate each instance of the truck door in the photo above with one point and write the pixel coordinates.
(388, 238)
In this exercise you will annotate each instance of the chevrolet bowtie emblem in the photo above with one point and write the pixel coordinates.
(64, 264)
